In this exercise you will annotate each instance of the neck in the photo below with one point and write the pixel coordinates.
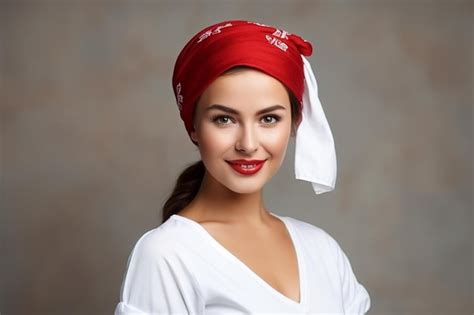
(216, 202)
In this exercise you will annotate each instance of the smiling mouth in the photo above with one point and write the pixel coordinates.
(246, 168)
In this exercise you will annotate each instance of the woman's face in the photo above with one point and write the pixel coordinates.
(243, 115)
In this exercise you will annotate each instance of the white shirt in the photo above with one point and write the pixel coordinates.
(179, 268)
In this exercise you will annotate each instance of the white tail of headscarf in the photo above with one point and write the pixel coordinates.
(315, 153)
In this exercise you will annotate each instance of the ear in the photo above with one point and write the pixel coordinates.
(194, 135)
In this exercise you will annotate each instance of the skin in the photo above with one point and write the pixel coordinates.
(230, 205)
(246, 135)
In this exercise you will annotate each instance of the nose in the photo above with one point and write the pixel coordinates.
(247, 141)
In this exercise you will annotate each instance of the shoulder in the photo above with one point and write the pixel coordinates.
(166, 240)
(314, 234)
(309, 230)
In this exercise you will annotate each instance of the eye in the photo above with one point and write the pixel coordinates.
(271, 119)
(221, 119)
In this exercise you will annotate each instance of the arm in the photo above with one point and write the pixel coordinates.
(157, 283)
(356, 299)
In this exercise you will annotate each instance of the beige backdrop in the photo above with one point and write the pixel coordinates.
(91, 143)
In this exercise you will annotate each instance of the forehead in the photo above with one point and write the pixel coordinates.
(245, 87)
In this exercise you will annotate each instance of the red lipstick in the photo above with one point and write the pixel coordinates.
(246, 167)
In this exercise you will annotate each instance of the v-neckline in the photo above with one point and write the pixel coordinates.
(271, 289)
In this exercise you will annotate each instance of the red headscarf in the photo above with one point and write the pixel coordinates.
(224, 45)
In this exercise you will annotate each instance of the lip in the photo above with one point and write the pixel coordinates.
(237, 165)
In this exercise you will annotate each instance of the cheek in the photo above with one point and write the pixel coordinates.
(214, 142)
(277, 140)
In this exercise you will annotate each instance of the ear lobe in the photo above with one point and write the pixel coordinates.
(193, 135)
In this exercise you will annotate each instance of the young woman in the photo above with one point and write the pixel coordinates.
(243, 89)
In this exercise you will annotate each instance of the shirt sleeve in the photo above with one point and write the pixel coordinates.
(157, 283)
(356, 299)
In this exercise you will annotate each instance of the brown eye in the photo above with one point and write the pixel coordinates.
(271, 119)
(221, 119)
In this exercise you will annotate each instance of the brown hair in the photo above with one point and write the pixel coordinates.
(189, 181)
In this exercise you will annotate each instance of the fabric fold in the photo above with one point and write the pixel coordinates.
(315, 153)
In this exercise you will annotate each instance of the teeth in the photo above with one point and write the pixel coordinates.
(248, 166)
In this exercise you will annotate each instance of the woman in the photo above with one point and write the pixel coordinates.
(243, 89)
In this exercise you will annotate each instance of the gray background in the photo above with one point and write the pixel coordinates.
(91, 143)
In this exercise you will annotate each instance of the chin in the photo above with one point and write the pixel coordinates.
(244, 191)
(244, 188)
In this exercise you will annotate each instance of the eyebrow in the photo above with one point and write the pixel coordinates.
(236, 112)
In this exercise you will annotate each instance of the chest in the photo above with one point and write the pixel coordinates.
(272, 257)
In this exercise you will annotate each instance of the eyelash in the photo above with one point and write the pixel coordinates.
(217, 117)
